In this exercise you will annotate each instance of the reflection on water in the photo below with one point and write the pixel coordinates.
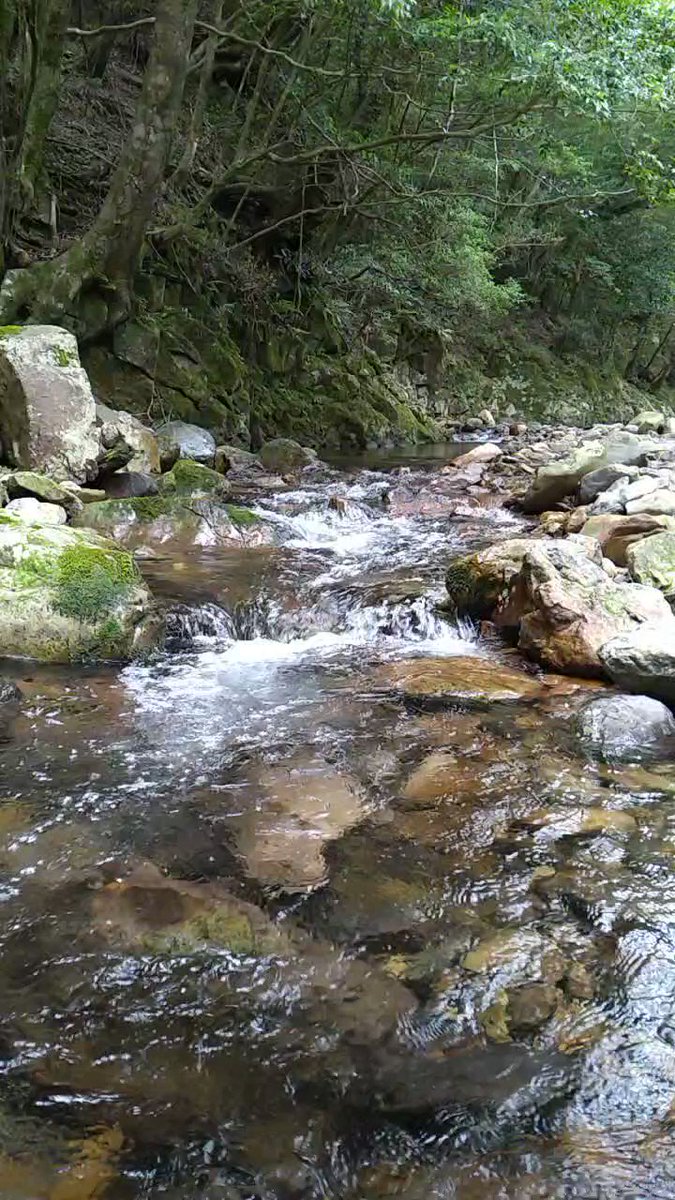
(280, 924)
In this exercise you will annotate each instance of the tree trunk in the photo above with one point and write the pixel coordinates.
(89, 287)
(47, 35)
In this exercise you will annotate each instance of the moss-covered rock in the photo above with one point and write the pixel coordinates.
(189, 478)
(175, 522)
(477, 582)
(67, 595)
(284, 456)
(652, 560)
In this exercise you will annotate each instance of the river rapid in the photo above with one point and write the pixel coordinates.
(271, 932)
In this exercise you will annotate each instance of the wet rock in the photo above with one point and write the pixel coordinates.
(175, 522)
(477, 582)
(35, 512)
(283, 456)
(650, 421)
(176, 439)
(67, 595)
(566, 608)
(617, 727)
(10, 696)
(47, 411)
(457, 679)
(643, 660)
(123, 430)
(652, 561)
(294, 810)
(128, 485)
(599, 481)
(531, 1006)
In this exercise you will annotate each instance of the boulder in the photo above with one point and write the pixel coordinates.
(643, 660)
(599, 481)
(283, 456)
(174, 523)
(626, 727)
(476, 582)
(189, 478)
(556, 480)
(126, 485)
(177, 440)
(47, 410)
(658, 502)
(36, 512)
(31, 483)
(616, 533)
(67, 595)
(651, 560)
(233, 458)
(121, 428)
(565, 608)
(487, 417)
(623, 492)
(650, 421)
(484, 453)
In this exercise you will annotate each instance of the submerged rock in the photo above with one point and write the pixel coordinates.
(47, 409)
(67, 595)
(616, 727)
(295, 809)
(457, 679)
(177, 439)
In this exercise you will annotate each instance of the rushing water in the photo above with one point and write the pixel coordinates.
(240, 883)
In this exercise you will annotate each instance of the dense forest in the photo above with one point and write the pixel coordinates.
(344, 219)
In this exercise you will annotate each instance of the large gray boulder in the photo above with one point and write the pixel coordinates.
(626, 727)
(565, 607)
(643, 660)
(47, 409)
(283, 456)
(142, 445)
(179, 440)
(67, 595)
(596, 482)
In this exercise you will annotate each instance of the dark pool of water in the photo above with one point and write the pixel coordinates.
(270, 932)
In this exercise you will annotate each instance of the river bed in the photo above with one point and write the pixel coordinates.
(273, 932)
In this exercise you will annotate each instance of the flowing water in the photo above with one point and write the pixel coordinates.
(274, 931)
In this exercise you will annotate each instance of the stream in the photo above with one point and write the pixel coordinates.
(273, 932)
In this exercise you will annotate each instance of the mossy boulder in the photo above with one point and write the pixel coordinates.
(174, 523)
(652, 560)
(189, 478)
(67, 595)
(477, 582)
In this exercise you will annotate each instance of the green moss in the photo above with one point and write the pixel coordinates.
(90, 581)
(241, 516)
(187, 478)
(63, 357)
(9, 330)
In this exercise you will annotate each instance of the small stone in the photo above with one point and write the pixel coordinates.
(487, 418)
(484, 453)
(578, 982)
(35, 512)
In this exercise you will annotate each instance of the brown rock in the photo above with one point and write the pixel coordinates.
(459, 678)
(616, 532)
(484, 453)
(531, 1006)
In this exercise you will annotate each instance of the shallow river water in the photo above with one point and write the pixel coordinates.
(272, 932)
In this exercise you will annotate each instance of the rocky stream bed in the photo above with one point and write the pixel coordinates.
(353, 876)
